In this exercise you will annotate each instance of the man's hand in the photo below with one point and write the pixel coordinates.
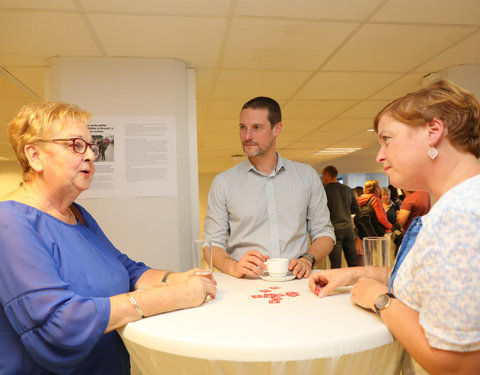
(251, 263)
(301, 267)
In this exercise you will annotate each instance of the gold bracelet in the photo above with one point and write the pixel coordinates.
(134, 303)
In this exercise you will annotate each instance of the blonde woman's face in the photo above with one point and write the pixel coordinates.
(63, 168)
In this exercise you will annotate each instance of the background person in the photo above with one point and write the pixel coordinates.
(415, 203)
(391, 211)
(357, 191)
(394, 196)
(341, 204)
(372, 195)
(266, 206)
(430, 140)
(64, 287)
(388, 205)
(369, 223)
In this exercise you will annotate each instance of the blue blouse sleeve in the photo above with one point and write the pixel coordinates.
(57, 327)
(134, 269)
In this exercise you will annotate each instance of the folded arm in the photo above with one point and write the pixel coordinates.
(403, 323)
(157, 300)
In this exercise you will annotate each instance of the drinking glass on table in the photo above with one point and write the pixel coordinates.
(376, 253)
(202, 257)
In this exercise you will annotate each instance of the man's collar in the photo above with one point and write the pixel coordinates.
(280, 165)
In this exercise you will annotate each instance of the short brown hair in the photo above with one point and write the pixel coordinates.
(457, 108)
(34, 121)
(264, 102)
(331, 170)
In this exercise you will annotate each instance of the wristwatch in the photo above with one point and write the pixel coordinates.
(165, 276)
(310, 257)
(382, 302)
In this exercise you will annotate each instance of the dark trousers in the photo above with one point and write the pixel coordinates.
(346, 242)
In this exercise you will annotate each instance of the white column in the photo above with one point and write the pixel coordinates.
(155, 230)
(465, 76)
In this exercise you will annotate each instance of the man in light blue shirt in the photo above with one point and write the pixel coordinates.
(267, 206)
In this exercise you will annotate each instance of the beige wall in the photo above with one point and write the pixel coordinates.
(10, 176)
(204, 182)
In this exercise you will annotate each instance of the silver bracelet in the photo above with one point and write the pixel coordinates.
(134, 303)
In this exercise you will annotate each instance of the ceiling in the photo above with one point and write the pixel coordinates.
(331, 64)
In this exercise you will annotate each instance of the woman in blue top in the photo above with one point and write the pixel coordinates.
(429, 140)
(64, 288)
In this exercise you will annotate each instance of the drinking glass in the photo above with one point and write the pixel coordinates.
(376, 253)
(202, 257)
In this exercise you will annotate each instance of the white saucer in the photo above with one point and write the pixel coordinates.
(266, 277)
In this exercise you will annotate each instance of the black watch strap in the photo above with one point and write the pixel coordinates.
(310, 257)
(165, 276)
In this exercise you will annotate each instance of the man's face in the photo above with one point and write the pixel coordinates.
(324, 178)
(256, 133)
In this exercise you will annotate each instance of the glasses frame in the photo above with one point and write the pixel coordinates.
(92, 146)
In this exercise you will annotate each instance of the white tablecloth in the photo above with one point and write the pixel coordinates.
(236, 333)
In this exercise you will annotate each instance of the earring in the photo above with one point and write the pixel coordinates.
(432, 152)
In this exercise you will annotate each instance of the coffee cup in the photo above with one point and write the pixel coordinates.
(277, 267)
(202, 257)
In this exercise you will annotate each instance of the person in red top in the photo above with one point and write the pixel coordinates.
(372, 189)
(416, 203)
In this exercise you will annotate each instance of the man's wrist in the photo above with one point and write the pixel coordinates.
(310, 258)
(233, 268)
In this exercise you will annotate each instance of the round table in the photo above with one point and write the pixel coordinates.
(255, 327)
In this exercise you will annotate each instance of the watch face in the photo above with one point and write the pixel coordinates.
(382, 301)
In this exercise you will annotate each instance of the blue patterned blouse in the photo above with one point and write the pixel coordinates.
(440, 276)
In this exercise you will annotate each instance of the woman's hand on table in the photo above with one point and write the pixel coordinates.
(365, 291)
(323, 283)
(181, 277)
(198, 289)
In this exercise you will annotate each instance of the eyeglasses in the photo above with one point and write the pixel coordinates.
(79, 145)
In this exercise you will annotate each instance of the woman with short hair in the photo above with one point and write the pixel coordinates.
(429, 140)
(64, 287)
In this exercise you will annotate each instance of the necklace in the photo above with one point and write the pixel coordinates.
(71, 216)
